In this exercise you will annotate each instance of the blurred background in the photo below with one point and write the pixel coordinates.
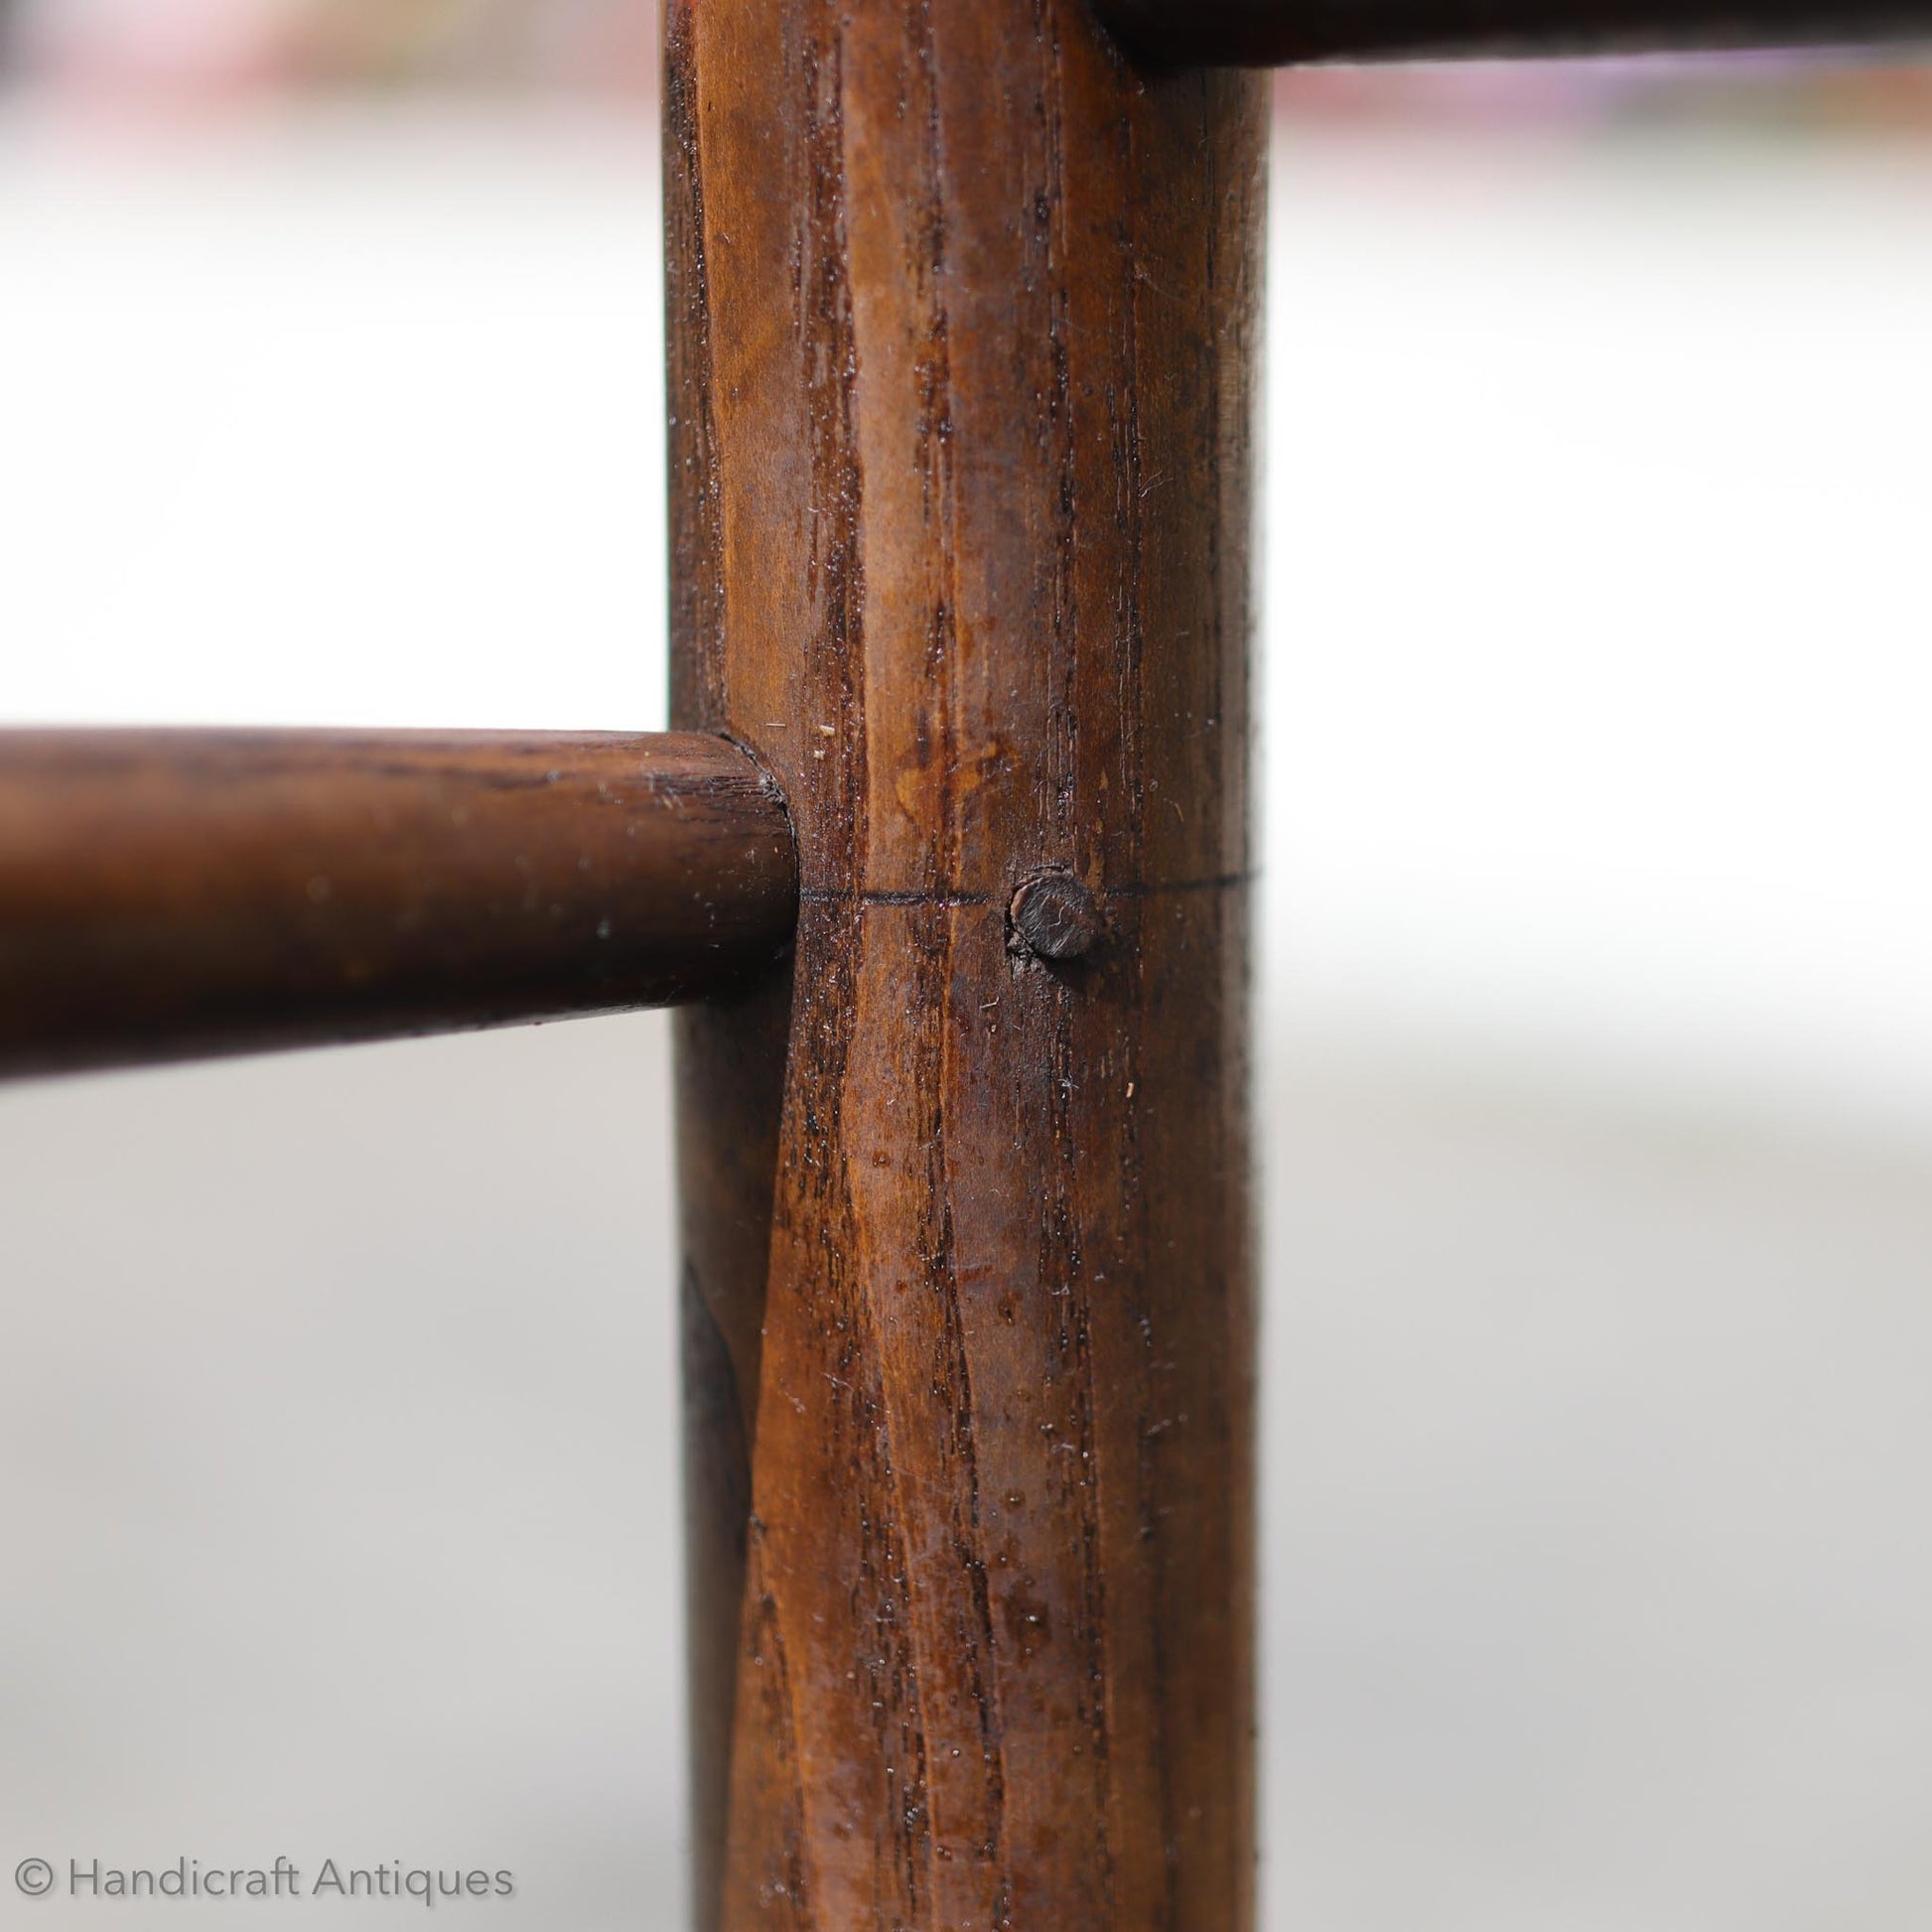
(337, 1424)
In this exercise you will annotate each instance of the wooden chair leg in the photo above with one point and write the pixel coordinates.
(963, 321)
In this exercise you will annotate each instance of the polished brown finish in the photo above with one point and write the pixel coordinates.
(1280, 32)
(963, 319)
(175, 895)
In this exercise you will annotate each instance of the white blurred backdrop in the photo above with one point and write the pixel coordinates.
(339, 1474)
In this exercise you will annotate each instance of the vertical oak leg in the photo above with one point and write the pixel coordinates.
(963, 320)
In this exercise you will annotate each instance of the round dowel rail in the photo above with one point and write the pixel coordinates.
(170, 895)
(1280, 32)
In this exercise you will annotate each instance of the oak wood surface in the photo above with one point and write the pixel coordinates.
(1279, 33)
(176, 895)
(963, 320)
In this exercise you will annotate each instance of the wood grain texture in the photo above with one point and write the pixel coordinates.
(1281, 32)
(177, 895)
(963, 323)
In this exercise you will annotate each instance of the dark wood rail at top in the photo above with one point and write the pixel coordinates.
(178, 895)
(1279, 33)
